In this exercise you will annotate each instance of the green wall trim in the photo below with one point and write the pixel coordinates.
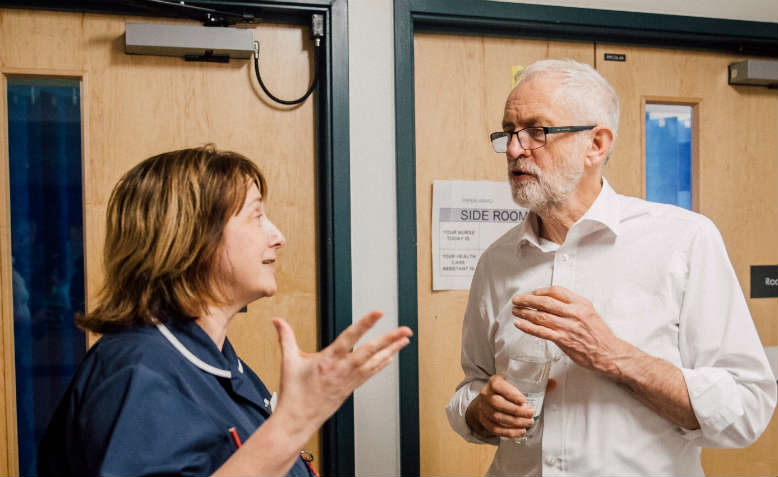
(335, 216)
(333, 177)
(407, 305)
(516, 19)
(468, 17)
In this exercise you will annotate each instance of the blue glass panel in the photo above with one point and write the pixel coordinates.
(669, 154)
(44, 139)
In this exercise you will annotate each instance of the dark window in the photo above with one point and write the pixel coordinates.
(44, 138)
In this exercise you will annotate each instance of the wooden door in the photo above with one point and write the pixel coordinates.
(734, 178)
(461, 85)
(137, 106)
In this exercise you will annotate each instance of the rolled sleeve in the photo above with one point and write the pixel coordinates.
(457, 407)
(708, 388)
(730, 384)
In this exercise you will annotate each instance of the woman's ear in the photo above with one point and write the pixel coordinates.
(601, 141)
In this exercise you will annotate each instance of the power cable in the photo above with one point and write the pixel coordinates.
(317, 32)
(310, 89)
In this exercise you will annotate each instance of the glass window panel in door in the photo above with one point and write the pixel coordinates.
(44, 141)
(669, 154)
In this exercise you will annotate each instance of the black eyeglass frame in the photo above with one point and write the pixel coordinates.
(546, 131)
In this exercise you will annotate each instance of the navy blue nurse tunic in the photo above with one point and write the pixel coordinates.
(155, 401)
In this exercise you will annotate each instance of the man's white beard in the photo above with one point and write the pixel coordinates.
(547, 190)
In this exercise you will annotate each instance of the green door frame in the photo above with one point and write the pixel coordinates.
(515, 20)
(333, 176)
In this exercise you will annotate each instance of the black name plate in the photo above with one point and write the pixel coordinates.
(764, 281)
(615, 57)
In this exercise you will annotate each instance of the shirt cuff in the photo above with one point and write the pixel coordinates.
(457, 407)
(714, 397)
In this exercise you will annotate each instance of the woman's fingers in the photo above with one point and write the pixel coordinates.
(365, 351)
(360, 367)
(336, 365)
(378, 360)
(346, 340)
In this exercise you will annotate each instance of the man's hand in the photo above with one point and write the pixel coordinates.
(499, 410)
(570, 321)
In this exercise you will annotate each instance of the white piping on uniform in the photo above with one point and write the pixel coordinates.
(191, 357)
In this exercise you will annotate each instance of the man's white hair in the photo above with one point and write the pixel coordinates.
(591, 96)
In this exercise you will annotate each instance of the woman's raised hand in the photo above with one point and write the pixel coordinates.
(314, 385)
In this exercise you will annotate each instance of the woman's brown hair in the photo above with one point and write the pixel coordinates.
(165, 220)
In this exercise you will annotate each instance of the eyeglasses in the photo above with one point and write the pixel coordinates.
(530, 138)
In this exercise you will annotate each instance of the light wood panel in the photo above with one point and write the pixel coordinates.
(737, 179)
(8, 445)
(461, 84)
(137, 106)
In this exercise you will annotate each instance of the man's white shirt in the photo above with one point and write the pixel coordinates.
(661, 279)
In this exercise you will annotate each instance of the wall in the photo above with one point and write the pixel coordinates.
(373, 194)
(374, 223)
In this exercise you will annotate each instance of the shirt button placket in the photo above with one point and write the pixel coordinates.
(553, 435)
(564, 268)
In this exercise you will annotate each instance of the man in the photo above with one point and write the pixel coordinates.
(655, 352)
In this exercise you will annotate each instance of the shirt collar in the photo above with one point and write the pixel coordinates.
(198, 348)
(604, 211)
(529, 231)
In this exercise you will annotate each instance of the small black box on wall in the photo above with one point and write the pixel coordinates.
(764, 281)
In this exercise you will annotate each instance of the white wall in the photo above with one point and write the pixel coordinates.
(374, 223)
(373, 194)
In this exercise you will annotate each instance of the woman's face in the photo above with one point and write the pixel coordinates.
(249, 246)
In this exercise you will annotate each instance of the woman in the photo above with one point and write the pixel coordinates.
(188, 244)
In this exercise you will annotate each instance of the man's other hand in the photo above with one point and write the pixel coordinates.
(499, 410)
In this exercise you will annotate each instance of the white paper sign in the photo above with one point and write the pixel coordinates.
(467, 216)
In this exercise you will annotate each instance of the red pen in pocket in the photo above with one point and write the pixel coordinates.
(234, 434)
(308, 458)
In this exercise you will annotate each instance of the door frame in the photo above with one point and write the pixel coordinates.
(332, 171)
(465, 17)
